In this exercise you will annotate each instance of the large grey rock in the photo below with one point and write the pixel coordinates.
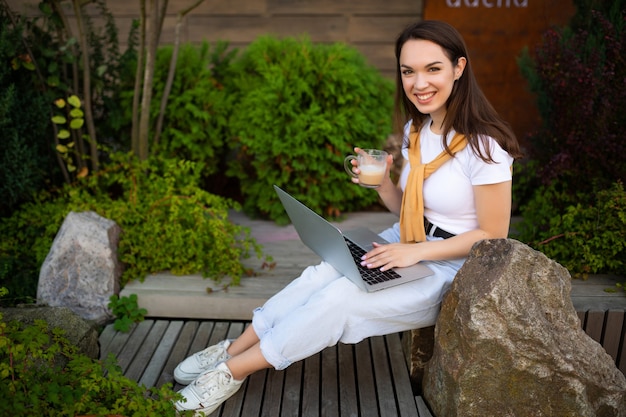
(79, 332)
(81, 270)
(508, 342)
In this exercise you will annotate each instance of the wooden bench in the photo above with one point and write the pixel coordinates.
(368, 379)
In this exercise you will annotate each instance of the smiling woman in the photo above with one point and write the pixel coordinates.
(456, 181)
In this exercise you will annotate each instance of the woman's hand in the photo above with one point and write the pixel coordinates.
(392, 255)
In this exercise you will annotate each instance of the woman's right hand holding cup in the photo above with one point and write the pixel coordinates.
(368, 167)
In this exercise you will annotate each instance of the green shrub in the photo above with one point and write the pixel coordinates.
(168, 222)
(300, 109)
(34, 382)
(196, 120)
(585, 238)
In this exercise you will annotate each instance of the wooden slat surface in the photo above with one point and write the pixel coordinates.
(369, 379)
(614, 332)
(609, 329)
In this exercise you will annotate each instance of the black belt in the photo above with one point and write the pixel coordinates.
(436, 231)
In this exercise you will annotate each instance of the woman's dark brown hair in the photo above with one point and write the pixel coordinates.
(468, 110)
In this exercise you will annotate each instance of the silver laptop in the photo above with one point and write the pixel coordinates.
(343, 250)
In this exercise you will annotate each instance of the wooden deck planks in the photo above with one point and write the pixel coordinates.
(293, 386)
(384, 392)
(369, 379)
(367, 384)
(310, 403)
(157, 362)
(178, 353)
(396, 361)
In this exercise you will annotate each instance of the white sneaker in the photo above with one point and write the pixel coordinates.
(191, 368)
(209, 391)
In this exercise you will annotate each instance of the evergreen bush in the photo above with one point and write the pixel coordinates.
(300, 109)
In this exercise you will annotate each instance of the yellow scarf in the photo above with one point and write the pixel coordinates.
(412, 210)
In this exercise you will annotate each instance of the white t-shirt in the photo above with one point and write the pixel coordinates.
(448, 193)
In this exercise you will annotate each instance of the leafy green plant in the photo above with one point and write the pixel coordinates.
(127, 312)
(39, 384)
(301, 108)
(69, 124)
(168, 222)
(585, 238)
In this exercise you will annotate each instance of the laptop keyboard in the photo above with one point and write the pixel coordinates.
(370, 276)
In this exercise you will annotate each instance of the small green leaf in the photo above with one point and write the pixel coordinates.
(59, 120)
(74, 100)
(76, 113)
(63, 134)
(61, 148)
(77, 123)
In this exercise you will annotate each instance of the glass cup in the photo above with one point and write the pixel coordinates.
(372, 163)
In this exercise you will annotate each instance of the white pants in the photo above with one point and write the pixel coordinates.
(322, 307)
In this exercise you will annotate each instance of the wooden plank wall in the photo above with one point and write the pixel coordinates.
(369, 25)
